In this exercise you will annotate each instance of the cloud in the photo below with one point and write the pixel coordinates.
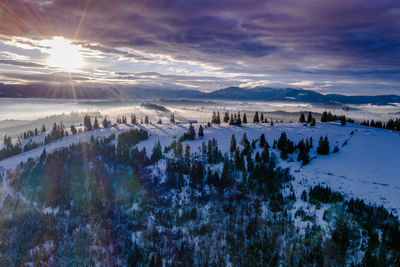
(21, 63)
(293, 40)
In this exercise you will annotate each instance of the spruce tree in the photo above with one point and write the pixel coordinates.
(43, 129)
(324, 117)
(96, 123)
(201, 133)
(323, 146)
(262, 117)
(302, 118)
(73, 129)
(226, 117)
(133, 119)
(343, 120)
(172, 118)
(309, 117)
(105, 123)
(192, 132)
(265, 154)
(233, 143)
(244, 118)
(256, 119)
(262, 140)
(218, 118)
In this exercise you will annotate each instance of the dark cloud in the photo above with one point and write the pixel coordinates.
(21, 63)
(244, 36)
(109, 50)
(55, 77)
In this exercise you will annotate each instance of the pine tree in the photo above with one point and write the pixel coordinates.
(323, 146)
(262, 140)
(262, 117)
(43, 129)
(265, 154)
(87, 123)
(133, 119)
(312, 124)
(309, 117)
(73, 129)
(244, 118)
(324, 117)
(214, 118)
(172, 118)
(233, 143)
(105, 123)
(201, 133)
(302, 118)
(256, 119)
(218, 118)
(226, 176)
(146, 119)
(192, 132)
(238, 120)
(343, 120)
(157, 152)
(96, 123)
(226, 117)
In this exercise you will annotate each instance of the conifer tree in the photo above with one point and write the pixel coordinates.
(192, 132)
(262, 117)
(73, 129)
(256, 118)
(309, 117)
(312, 124)
(201, 133)
(87, 123)
(43, 129)
(343, 120)
(244, 118)
(262, 140)
(324, 117)
(218, 118)
(233, 143)
(105, 123)
(323, 146)
(265, 154)
(302, 118)
(146, 119)
(157, 152)
(226, 117)
(172, 118)
(133, 119)
(96, 123)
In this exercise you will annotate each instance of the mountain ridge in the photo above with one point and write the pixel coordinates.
(258, 93)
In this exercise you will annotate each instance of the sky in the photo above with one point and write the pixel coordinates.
(349, 47)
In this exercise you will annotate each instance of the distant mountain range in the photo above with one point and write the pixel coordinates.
(229, 93)
(263, 94)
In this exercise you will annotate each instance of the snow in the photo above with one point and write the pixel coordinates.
(368, 167)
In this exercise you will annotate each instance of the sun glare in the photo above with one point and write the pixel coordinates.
(64, 54)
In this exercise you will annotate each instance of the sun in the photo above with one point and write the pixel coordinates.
(64, 54)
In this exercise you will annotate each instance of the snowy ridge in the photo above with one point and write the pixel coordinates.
(367, 167)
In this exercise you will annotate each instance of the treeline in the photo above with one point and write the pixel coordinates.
(237, 119)
(391, 124)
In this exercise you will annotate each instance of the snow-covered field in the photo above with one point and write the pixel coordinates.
(367, 167)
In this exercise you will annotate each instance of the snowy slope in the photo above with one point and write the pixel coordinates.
(368, 167)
